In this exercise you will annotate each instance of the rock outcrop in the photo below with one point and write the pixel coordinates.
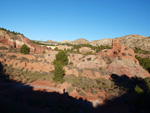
(124, 61)
(17, 40)
(118, 60)
(119, 50)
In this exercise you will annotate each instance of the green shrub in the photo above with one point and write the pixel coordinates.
(11, 57)
(147, 82)
(107, 59)
(43, 52)
(13, 32)
(138, 50)
(88, 84)
(62, 57)
(16, 64)
(2, 55)
(89, 53)
(124, 54)
(58, 72)
(3, 48)
(104, 83)
(138, 90)
(144, 62)
(24, 49)
(115, 52)
(129, 54)
(56, 49)
(88, 59)
(96, 48)
(125, 48)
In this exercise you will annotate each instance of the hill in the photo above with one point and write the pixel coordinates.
(65, 41)
(80, 41)
(133, 41)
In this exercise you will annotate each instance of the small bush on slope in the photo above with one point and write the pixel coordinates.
(24, 49)
(144, 62)
(142, 98)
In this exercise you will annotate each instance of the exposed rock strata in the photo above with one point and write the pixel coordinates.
(18, 40)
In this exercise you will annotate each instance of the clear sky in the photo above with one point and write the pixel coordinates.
(72, 19)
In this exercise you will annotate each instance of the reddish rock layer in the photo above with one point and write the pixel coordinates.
(18, 40)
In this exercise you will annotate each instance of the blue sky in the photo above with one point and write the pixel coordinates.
(72, 19)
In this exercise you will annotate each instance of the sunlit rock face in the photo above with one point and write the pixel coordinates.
(17, 40)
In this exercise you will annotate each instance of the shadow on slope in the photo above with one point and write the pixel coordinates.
(18, 98)
(129, 102)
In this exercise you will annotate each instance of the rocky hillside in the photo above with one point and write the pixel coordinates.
(16, 40)
(80, 41)
(102, 42)
(86, 76)
(119, 60)
(51, 41)
(137, 41)
(132, 41)
(65, 41)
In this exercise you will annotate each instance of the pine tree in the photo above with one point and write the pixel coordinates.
(61, 60)
(58, 72)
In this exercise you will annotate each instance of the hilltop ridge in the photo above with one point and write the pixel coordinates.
(132, 41)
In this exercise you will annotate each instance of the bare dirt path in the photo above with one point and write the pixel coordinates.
(49, 88)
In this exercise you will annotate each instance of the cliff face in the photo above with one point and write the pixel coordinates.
(124, 61)
(17, 40)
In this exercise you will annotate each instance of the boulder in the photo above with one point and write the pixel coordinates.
(127, 67)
